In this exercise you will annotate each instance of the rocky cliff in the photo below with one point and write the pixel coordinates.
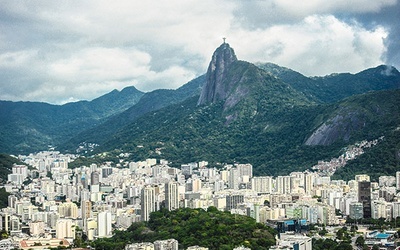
(216, 88)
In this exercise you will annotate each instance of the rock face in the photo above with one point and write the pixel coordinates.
(216, 88)
(340, 127)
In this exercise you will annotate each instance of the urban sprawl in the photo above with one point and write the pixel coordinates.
(49, 201)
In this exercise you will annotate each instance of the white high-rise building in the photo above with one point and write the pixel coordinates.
(148, 202)
(20, 169)
(398, 180)
(262, 184)
(245, 170)
(396, 209)
(104, 228)
(283, 185)
(68, 210)
(65, 229)
(309, 182)
(47, 185)
(196, 185)
(172, 195)
(234, 178)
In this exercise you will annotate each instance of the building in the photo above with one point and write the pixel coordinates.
(262, 184)
(283, 185)
(36, 228)
(95, 178)
(293, 241)
(170, 244)
(232, 201)
(245, 170)
(65, 229)
(197, 248)
(356, 210)
(5, 221)
(172, 195)
(364, 196)
(104, 228)
(398, 180)
(140, 246)
(68, 210)
(86, 211)
(381, 209)
(148, 202)
(234, 178)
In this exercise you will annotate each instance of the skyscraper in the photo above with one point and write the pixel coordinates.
(148, 202)
(172, 195)
(398, 180)
(94, 178)
(104, 224)
(364, 196)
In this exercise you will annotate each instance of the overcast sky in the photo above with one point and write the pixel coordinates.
(62, 51)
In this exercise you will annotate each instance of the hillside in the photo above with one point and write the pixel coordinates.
(258, 119)
(150, 101)
(273, 140)
(6, 163)
(31, 126)
(273, 117)
(335, 87)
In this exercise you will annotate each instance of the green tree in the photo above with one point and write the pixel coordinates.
(375, 247)
(360, 241)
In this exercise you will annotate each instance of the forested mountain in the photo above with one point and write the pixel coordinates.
(336, 86)
(272, 117)
(31, 126)
(150, 101)
(248, 115)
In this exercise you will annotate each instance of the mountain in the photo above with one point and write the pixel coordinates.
(218, 86)
(150, 101)
(31, 126)
(272, 117)
(335, 87)
(250, 115)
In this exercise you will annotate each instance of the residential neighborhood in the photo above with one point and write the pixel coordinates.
(51, 204)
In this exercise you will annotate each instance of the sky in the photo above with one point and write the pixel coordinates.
(69, 50)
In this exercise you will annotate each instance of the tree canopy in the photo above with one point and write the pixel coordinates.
(212, 228)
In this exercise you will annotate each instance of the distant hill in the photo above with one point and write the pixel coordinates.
(335, 87)
(150, 101)
(31, 126)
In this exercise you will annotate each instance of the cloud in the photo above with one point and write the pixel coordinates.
(256, 13)
(318, 45)
(58, 51)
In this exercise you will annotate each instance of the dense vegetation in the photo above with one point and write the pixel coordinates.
(272, 140)
(277, 109)
(3, 198)
(335, 87)
(6, 163)
(381, 160)
(212, 228)
(149, 102)
(26, 127)
(381, 110)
